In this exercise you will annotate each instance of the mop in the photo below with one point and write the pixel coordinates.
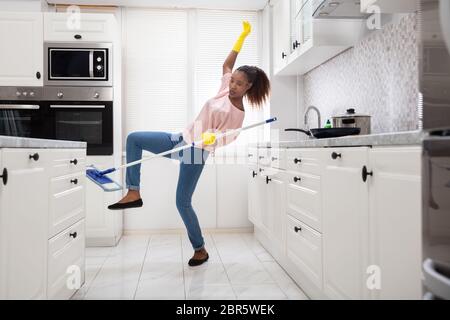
(107, 184)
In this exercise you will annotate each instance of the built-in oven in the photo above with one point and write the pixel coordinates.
(77, 64)
(21, 112)
(81, 114)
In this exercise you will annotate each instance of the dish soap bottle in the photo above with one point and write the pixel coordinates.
(328, 124)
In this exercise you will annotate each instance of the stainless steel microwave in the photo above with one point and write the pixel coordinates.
(78, 64)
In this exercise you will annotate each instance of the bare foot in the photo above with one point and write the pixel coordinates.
(132, 195)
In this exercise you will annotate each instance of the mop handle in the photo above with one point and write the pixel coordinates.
(219, 136)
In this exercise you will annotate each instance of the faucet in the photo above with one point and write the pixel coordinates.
(306, 116)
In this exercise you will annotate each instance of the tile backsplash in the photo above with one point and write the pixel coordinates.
(378, 77)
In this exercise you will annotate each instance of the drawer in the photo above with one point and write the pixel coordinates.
(304, 249)
(272, 157)
(303, 198)
(252, 156)
(66, 255)
(264, 157)
(67, 161)
(305, 160)
(67, 201)
(346, 157)
(23, 159)
(93, 27)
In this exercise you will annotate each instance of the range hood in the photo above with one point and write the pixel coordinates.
(338, 9)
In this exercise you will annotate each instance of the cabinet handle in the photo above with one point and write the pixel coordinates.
(77, 36)
(254, 174)
(4, 176)
(74, 181)
(295, 44)
(283, 55)
(38, 75)
(366, 173)
(268, 179)
(250, 155)
(274, 158)
(261, 157)
(74, 161)
(73, 235)
(297, 229)
(261, 170)
(35, 156)
(296, 160)
(335, 155)
(297, 179)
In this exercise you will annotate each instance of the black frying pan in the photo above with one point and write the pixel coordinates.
(321, 133)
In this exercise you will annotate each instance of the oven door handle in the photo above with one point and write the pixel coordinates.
(91, 64)
(71, 106)
(19, 106)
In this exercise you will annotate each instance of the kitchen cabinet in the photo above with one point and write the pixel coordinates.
(23, 224)
(395, 221)
(61, 26)
(389, 6)
(21, 56)
(345, 223)
(37, 236)
(281, 34)
(351, 219)
(312, 41)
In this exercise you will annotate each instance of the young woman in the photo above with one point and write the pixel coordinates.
(223, 112)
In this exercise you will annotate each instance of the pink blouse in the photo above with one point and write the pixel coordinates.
(217, 115)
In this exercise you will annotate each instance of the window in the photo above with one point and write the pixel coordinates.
(174, 64)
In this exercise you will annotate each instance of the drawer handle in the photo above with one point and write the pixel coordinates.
(250, 155)
(268, 179)
(74, 161)
(4, 176)
(254, 174)
(73, 235)
(77, 36)
(297, 179)
(74, 181)
(35, 156)
(261, 170)
(297, 229)
(274, 158)
(296, 160)
(261, 157)
(366, 173)
(335, 155)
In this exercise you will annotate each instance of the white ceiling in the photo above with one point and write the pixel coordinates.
(210, 4)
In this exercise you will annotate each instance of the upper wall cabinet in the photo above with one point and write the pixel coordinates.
(389, 6)
(21, 54)
(309, 41)
(88, 27)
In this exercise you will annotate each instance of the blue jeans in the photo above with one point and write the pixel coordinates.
(192, 161)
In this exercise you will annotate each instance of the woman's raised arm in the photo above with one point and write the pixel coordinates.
(231, 59)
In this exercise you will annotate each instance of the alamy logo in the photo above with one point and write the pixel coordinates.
(374, 21)
(73, 18)
(374, 279)
(73, 281)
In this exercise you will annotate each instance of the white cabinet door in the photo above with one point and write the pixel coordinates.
(345, 223)
(85, 27)
(23, 225)
(21, 54)
(395, 222)
(276, 205)
(253, 211)
(281, 33)
(262, 202)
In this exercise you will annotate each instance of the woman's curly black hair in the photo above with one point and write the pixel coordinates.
(260, 89)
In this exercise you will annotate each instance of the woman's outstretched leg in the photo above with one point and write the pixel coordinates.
(153, 141)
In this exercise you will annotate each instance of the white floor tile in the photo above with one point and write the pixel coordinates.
(259, 292)
(210, 292)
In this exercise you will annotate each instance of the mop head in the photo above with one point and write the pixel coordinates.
(100, 179)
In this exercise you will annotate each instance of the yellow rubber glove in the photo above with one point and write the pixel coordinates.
(247, 28)
(208, 138)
